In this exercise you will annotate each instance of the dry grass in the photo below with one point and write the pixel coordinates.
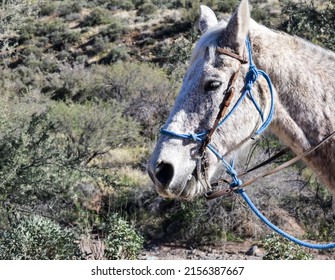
(126, 156)
(134, 177)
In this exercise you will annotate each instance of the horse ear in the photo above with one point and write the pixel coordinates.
(207, 19)
(238, 25)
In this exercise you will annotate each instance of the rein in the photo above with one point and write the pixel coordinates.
(236, 185)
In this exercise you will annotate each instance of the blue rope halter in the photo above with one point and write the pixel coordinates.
(250, 79)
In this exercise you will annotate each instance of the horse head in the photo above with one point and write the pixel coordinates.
(219, 64)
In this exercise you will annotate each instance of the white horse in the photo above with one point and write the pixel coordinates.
(302, 75)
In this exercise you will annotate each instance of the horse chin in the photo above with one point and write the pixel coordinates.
(192, 189)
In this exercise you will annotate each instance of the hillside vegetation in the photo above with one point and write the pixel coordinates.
(85, 86)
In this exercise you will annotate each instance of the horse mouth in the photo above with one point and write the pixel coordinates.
(193, 187)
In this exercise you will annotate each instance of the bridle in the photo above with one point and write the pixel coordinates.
(236, 185)
(205, 137)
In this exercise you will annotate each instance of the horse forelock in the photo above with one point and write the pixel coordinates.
(209, 41)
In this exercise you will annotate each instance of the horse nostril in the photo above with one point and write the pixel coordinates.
(164, 173)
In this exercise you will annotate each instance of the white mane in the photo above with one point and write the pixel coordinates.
(208, 41)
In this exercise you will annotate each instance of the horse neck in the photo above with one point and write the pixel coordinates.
(291, 59)
(302, 74)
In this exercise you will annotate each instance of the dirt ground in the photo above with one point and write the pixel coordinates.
(229, 251)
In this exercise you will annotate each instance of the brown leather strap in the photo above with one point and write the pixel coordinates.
(228, 96)
(290, 162)
(233, 55)
(269, 160)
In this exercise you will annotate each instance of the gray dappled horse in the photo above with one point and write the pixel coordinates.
(303, 79)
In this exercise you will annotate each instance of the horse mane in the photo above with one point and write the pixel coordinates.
(208, 41)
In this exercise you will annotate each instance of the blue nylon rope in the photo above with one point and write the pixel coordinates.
(279, 231)
(251, 78)
(272, 104)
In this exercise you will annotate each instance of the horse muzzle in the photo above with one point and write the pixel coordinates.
(175, 181)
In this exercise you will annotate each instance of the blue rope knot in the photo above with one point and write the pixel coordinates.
(193, 136)
(236, 182)
(251, 76)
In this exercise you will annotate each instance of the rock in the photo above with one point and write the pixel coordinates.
(252, 251)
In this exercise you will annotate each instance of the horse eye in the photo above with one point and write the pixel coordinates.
(212, 85)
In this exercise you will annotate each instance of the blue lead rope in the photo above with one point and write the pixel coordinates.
(278, 230)
(250, 79)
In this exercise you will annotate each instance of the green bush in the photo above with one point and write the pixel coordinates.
(116, 54)
(47, 28)
(100, 45)
(143, 89)
(122, 241)
(310, 20)
(92, 129)
(146, 9)
(64, 39)
(97, 16)
(32, 164)
(68, 8)
(44, 154)
(278, 248)
(124, 5)
(115, 30)
(227, 6)
(47, 8)
(37, 238)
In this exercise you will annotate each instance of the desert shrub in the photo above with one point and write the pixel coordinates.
(311, 21)
(116, 54)
(267, 14)
(47, 8)
(73, 17)
(124, 5)
(14, 16)
(63, 39)
(92, 129)
(278, 248)
(37, 238)
(48, 28)
(28, 30)
(64, 56)
(97, 16)
(146, 9)
(115, 30)
(81, 59)
(48, 64)
(183, 222)
(122, 241)
(71, 83)
(313, 210)
(176, 56)
(46, 153)
(37, 52)
(68, 8)
(99, 45)
(145, 91)
(32, 165)
(227, 6)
